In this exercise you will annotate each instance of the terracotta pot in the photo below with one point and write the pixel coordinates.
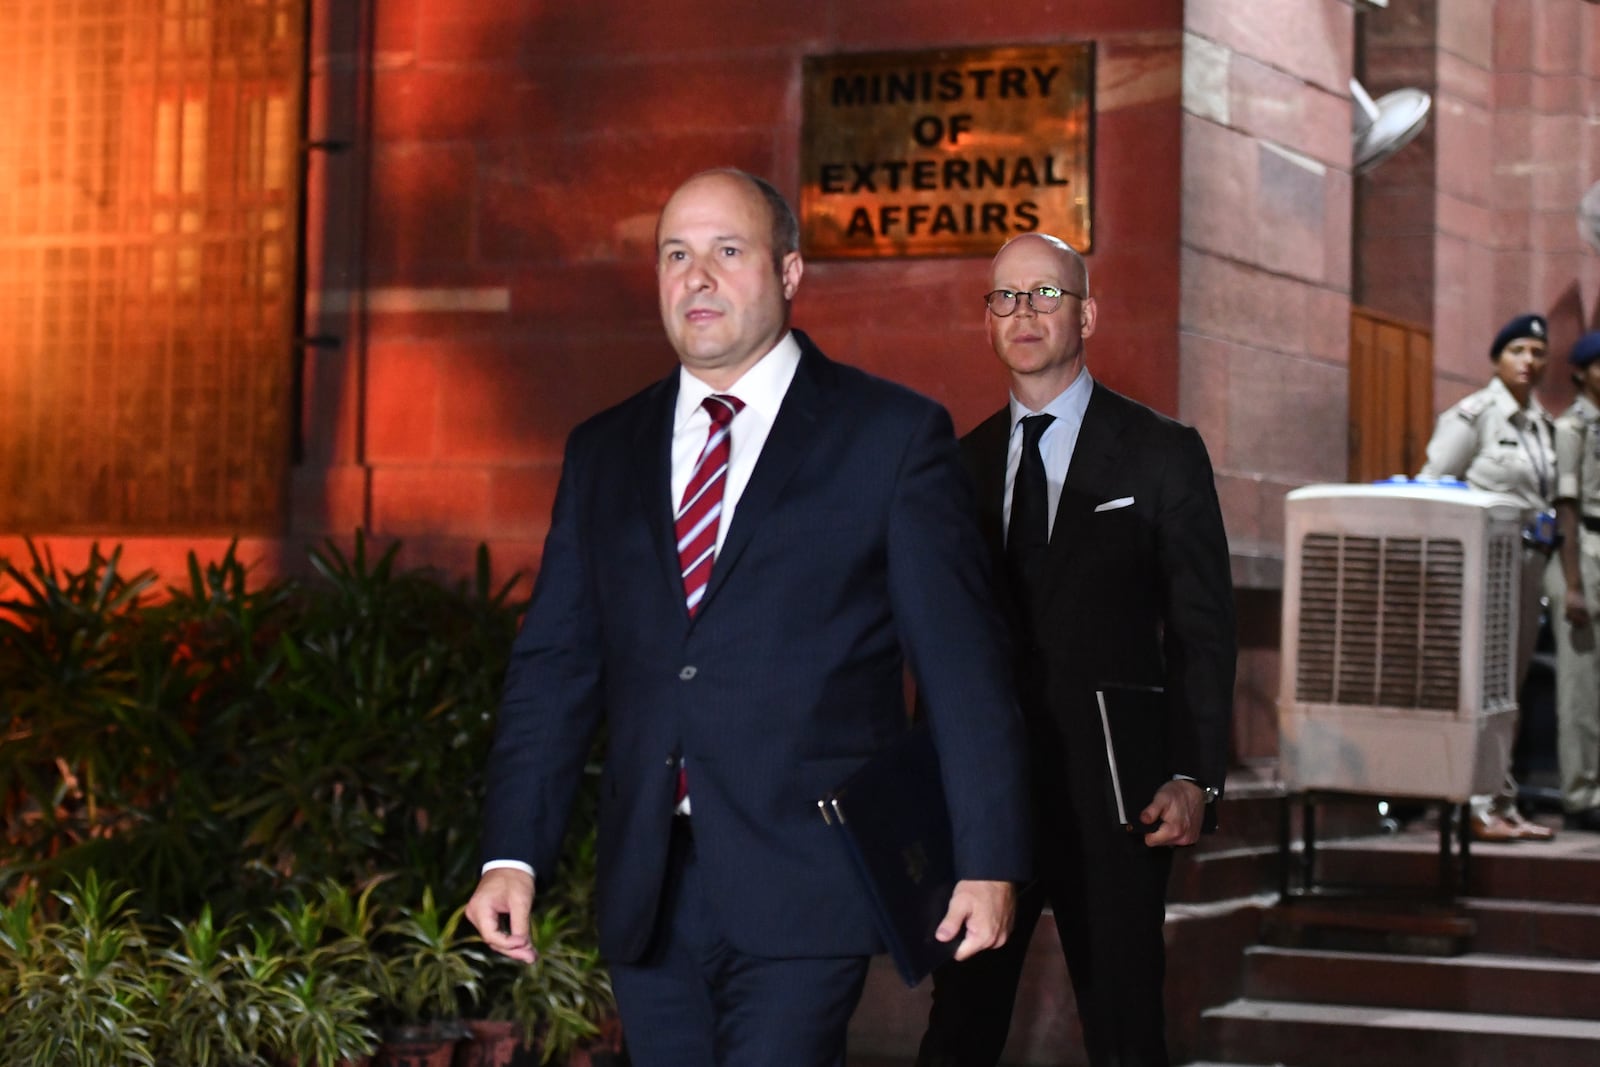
(416, 1052)
(605, 1050)
(492, 1043)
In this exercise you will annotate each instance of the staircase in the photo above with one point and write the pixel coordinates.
(1371, 977)
(1374, 970)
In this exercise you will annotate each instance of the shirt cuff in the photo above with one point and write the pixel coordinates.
(515, 865)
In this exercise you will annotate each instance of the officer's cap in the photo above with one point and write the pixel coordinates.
(1522, 326)
(1586, 350)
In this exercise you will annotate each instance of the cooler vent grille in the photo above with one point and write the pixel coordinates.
(1380, 621)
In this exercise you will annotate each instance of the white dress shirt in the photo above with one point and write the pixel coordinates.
(1056, 446)
(762, 388)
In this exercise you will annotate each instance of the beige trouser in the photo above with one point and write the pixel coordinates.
(1578, 684)
(1541, 577)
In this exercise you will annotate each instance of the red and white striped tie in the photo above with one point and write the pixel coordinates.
(701, 511)
(699, 516)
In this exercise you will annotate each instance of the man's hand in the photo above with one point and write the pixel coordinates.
(985, 909)
(504, 893)
(1181, 807)
(1577, 608)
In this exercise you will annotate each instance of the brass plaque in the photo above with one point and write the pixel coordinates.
(945, 153)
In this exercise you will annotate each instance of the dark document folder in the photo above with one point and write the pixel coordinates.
(890, 816)
(1133, 724)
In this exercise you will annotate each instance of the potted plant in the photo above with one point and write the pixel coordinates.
(324, 1019)
(494, 1034)
(563, 1000)
(430, 970)
(332, 981)
(212, 1015)
(81, 995)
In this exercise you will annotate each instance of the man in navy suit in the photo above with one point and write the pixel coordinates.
(1126, 586)
(740, 683)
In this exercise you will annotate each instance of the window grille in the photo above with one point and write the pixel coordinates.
(149, 186)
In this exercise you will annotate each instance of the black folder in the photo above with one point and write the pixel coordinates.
(890, 817)
(1133, 725)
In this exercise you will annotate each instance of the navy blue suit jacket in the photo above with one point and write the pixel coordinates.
(853, 550)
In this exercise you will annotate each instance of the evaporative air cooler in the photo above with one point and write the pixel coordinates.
(1399, 639)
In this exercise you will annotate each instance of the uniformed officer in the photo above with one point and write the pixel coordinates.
(1500, 439)
(1577, 652)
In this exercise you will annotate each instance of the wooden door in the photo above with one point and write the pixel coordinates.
(1391, 395)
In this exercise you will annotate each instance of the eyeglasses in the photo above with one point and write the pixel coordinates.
(1041, 301)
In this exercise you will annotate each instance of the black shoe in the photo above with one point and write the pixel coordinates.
(1588, 819)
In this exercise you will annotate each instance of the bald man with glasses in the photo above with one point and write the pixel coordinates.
(1103, 520)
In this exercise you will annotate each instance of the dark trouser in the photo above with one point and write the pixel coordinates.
(1108, 894)
(696, 1001)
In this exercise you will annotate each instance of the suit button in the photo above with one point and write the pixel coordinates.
(688, 673)
(672, 761)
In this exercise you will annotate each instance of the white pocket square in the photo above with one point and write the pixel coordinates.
(1113, 505)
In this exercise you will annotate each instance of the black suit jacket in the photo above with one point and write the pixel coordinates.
(1138, 589)
(852, 551)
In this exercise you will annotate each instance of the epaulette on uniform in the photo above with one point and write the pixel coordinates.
(1470, 407)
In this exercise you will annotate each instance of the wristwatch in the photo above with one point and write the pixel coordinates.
(1208, 793)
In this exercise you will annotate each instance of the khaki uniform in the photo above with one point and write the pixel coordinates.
(1491, 443)
(1577, 652)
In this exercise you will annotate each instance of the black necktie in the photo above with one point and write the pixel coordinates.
(1028, 538)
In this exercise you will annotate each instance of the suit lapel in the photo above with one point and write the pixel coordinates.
(1093, 461)
(793, 434)
(652, 453)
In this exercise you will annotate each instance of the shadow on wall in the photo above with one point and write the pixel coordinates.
(494, 233)
(1568, 321)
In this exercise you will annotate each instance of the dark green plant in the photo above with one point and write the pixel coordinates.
(431, 967)
(400, 672)
(353, 922)
(562, 998)
(200, 997)
(324, 1018)
(334, 977)
(117, 743)
(77, 745)
(85, 998)
(260, 974)
(239, 752)
(227, 742)
(21, 943)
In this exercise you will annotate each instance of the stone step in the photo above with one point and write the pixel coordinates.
(1370, 923)
(1475, 982)
(1564, 871)
(1535, 928)
(1222, 874)
(1326, 1035)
